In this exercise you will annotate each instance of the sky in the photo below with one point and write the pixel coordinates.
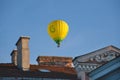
(93, 24)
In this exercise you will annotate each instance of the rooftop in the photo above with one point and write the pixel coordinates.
(9, 70)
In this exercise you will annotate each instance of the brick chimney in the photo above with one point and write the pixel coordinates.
(55, 61)
(14, 57)
(23, 61)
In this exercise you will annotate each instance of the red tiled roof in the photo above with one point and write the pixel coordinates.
(9, 70)
(69, 70)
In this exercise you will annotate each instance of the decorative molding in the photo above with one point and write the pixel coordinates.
(86, 67)
(91, 61)
(104, 57)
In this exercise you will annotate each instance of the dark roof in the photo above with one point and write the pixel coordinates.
(9, 70)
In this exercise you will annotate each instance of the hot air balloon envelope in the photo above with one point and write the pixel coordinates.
(58, 30)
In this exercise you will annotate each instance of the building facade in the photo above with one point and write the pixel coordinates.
(48, 67)
(102, 64)
(86, 63)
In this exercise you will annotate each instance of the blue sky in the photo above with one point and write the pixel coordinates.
(93, 24)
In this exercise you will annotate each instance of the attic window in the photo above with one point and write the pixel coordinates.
(44, 70)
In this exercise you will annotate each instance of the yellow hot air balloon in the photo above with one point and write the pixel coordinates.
(58, 30)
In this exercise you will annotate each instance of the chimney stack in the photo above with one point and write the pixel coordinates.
(23, 61)
(54, 61)
(14, 57)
